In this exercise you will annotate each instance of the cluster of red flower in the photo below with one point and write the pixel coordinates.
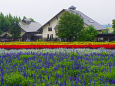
(55, 46)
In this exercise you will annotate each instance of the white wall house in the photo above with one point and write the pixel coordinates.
(49, 28)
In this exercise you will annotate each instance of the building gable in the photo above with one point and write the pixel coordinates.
(55, 20)
(28, 26)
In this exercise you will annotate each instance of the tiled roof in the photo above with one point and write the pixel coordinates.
(32, 27)
(87, 20)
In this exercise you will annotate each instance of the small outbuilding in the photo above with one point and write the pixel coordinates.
(30, 30)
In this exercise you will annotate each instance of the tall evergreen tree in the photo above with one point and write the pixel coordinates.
(15, 30)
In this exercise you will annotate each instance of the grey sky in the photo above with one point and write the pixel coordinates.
(102, 11)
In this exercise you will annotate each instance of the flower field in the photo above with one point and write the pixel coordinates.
(57, 67)
(52, 45)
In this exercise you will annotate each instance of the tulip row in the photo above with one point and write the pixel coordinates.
(55, 46)
(57, 43)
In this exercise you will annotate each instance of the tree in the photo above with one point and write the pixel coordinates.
(113, 26)
(15, 31)
(88, 34)
(105, 31)
(0, 31)
(32, 20)
(6, 21)
(69, 26)
(24, 17)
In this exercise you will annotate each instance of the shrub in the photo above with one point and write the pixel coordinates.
(16, 78)
(110, 76)
(26, 56)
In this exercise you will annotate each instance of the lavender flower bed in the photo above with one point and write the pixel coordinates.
(57, 67)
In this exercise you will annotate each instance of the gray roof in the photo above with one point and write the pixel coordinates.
(87, 20)
(32, 27)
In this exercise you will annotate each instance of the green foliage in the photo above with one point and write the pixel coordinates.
(113, 26)
(39, 40)
(88, 34)
(95, 69)
(70, 26)
(16, 78)
(26, 56)
(32, 20)
(15, 30)
(7, 21)
(24, 17)
(0, 31)
(113, 23)
(76, 73)
(104, 31)
(110, 76)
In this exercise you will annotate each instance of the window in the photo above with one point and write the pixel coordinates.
(49, 28)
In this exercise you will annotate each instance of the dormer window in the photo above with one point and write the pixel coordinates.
(49, 28)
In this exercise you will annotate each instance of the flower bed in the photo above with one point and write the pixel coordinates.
(57, 69)
(55, 46)
(52, 45)
(57, 43)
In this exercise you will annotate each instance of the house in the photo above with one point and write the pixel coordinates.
(49, 28)
(30, 31)
(5, 36)
(109, 28)
(107, 36)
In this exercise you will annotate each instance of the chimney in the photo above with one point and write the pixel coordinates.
(72, 8)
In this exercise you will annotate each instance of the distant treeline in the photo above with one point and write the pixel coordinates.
(6, 21)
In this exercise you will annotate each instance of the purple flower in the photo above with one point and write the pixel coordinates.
(72, 83)
(65, 83)
(76, 83)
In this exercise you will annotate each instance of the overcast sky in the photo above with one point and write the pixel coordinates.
(102, 11)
